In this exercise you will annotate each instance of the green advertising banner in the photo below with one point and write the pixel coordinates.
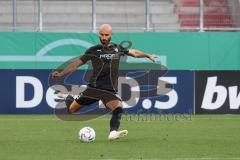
(178, 51)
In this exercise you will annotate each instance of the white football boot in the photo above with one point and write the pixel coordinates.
(117, 134)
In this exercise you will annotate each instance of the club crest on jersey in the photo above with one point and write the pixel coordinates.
(116, 49)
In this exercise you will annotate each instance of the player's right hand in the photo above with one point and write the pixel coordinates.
(56, 74)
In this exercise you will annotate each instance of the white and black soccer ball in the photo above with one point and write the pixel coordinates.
(87, 134)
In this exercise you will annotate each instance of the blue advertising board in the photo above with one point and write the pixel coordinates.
(31, 92)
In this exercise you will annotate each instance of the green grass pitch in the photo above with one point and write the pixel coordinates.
(44, 137)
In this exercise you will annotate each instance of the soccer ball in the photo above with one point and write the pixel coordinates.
(87, 134)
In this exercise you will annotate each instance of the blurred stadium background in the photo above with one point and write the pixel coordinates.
(126, 15)
(198, 43)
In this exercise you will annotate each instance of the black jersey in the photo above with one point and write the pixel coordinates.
(105, 63)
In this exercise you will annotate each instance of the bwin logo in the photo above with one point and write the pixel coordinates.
(221, 93)
(107, 56)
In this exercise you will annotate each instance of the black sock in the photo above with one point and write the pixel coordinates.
(116, 117)
(68, 101)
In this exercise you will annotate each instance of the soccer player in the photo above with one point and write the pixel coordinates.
(103, 83)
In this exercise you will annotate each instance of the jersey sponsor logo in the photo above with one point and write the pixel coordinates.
(109, 56)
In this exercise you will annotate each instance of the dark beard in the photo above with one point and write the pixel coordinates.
(105, 42)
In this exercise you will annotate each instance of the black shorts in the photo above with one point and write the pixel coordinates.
(92, 95)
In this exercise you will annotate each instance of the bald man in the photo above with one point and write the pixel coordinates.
(103, 83)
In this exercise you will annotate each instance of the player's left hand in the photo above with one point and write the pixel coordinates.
(152, 57)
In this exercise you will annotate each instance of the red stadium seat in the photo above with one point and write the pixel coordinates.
(216, 13)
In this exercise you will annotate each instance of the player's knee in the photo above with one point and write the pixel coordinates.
(72, 109)
(112, 105)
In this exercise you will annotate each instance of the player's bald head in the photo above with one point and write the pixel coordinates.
(106, 28)
(105, 34)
